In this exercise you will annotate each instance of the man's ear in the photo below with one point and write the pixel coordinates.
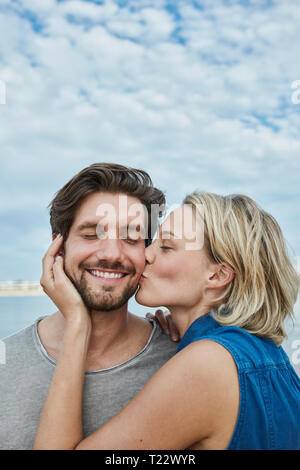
(223, 274)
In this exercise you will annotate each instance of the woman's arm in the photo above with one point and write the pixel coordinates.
(175, 409)
(60, 425)
(182, 403)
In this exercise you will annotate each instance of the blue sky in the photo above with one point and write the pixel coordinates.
(198, 93)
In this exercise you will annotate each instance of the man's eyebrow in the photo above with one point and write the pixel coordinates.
(139, 228)
(94, 225)
(86, 225)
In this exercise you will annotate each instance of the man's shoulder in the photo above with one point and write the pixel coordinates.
(20, 347)
(160, 343)
(156, 339)
(157, 351)
(23, 334)
(19, 336)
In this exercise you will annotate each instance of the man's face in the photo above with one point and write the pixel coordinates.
(104, 254)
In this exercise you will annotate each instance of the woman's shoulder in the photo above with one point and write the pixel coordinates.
(249, 351)
(206, 359)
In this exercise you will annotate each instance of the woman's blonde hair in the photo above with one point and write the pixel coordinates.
(238, 233)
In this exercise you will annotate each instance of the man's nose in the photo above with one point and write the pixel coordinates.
(109, 249)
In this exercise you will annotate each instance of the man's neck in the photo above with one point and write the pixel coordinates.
(109, 328)
(116, 337)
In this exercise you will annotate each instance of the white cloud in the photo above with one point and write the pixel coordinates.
(38, 6)
(86, 10)
(159, 23)
(211, 109)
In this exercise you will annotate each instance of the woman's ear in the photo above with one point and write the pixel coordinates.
(223, 275)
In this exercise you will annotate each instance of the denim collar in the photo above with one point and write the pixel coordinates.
(200, 327)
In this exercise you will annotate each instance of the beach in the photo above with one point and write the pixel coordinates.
(21, 289)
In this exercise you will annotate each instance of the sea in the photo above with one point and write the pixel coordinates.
(17, 313)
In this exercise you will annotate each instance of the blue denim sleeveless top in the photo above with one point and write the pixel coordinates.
(269, 409)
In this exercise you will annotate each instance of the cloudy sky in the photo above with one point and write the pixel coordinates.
(198, 93)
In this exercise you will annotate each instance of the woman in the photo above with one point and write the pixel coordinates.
(229, 286)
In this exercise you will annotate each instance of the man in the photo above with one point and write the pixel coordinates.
(100, 215)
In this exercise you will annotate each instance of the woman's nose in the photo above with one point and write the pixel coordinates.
(149, 254)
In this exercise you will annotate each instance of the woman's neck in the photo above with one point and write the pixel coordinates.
(183, 318)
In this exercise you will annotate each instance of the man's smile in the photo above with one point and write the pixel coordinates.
(107, 275)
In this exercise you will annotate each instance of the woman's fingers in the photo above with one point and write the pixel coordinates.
(150, 315)
(174, 333)
(61, 280)
(53, 249)
(59, 287)
(164, 319)
(159, 317)
(47, 278)
(58, 269)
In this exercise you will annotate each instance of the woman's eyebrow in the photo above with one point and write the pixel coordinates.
(168, 234)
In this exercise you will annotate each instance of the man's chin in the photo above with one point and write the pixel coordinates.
(108, 301)
(105, 301)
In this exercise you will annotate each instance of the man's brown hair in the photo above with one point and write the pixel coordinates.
(111, 178)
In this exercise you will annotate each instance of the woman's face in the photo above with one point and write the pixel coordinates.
(177, 266)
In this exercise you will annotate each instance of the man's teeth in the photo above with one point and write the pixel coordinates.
(107, 275)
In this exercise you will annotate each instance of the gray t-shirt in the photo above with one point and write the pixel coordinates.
(26, 376)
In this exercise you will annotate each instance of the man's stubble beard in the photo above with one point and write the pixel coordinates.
(105, 301)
